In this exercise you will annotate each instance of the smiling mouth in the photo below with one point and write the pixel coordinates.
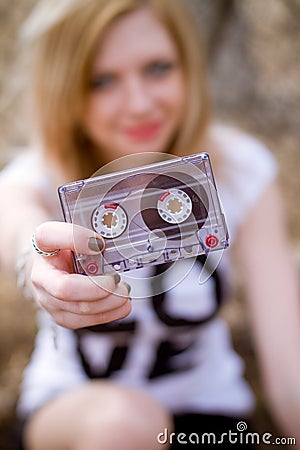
(144, 132)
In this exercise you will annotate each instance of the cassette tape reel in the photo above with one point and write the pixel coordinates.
(148, 215)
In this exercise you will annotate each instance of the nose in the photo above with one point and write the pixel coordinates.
(138, 99)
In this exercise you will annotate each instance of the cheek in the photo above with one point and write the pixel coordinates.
(99, 115)
(175, 96)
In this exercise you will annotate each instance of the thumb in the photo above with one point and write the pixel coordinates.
(51, 236)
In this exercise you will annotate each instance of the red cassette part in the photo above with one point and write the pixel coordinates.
(111, 206)
(92, 268)
(164, 196)
(212, 241)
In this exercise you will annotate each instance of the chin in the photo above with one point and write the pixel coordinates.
(142, 147)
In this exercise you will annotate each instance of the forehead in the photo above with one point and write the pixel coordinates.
(136, 36)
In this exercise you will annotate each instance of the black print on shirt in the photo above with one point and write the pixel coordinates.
(158, 301)
(168, 351)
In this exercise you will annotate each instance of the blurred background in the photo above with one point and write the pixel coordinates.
(253, 52)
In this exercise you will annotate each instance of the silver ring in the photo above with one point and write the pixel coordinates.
(41, 252)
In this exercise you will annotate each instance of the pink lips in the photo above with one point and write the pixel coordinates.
(143, 132)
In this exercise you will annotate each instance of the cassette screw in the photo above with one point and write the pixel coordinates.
(150, 247)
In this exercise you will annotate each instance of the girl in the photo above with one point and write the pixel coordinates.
(112, 78)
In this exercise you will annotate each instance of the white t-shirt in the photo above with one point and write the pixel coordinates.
(175, 346)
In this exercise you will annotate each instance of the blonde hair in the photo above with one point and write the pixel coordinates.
(64, 39)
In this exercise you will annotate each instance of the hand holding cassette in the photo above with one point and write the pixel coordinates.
(148, 215)
(72, 300)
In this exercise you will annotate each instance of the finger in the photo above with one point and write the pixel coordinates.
(50, 236)
(74, 321)
(87, 307)
(73, 287)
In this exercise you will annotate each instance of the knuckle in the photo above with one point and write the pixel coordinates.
(127, 307)
(102, 293)
(35, 273)
(111, 315)
(84, 307)
(101, 317)
(62, 289)
(34, 278)
(62, 319)
(106, 285)
(122, 299)
(122, 311)
(40, 301)
(40, 233)
(58, 318)
(108, 289)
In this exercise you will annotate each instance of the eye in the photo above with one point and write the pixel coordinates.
(159, 68)
(103, 82)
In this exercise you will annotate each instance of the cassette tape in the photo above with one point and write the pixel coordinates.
(148, 215)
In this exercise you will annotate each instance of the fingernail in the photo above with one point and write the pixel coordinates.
(96, 244)
(128, 287)
(117, 278)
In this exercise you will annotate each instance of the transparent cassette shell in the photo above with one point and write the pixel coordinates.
(148, 215)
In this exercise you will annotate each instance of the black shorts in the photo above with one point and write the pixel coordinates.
(193, 431)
